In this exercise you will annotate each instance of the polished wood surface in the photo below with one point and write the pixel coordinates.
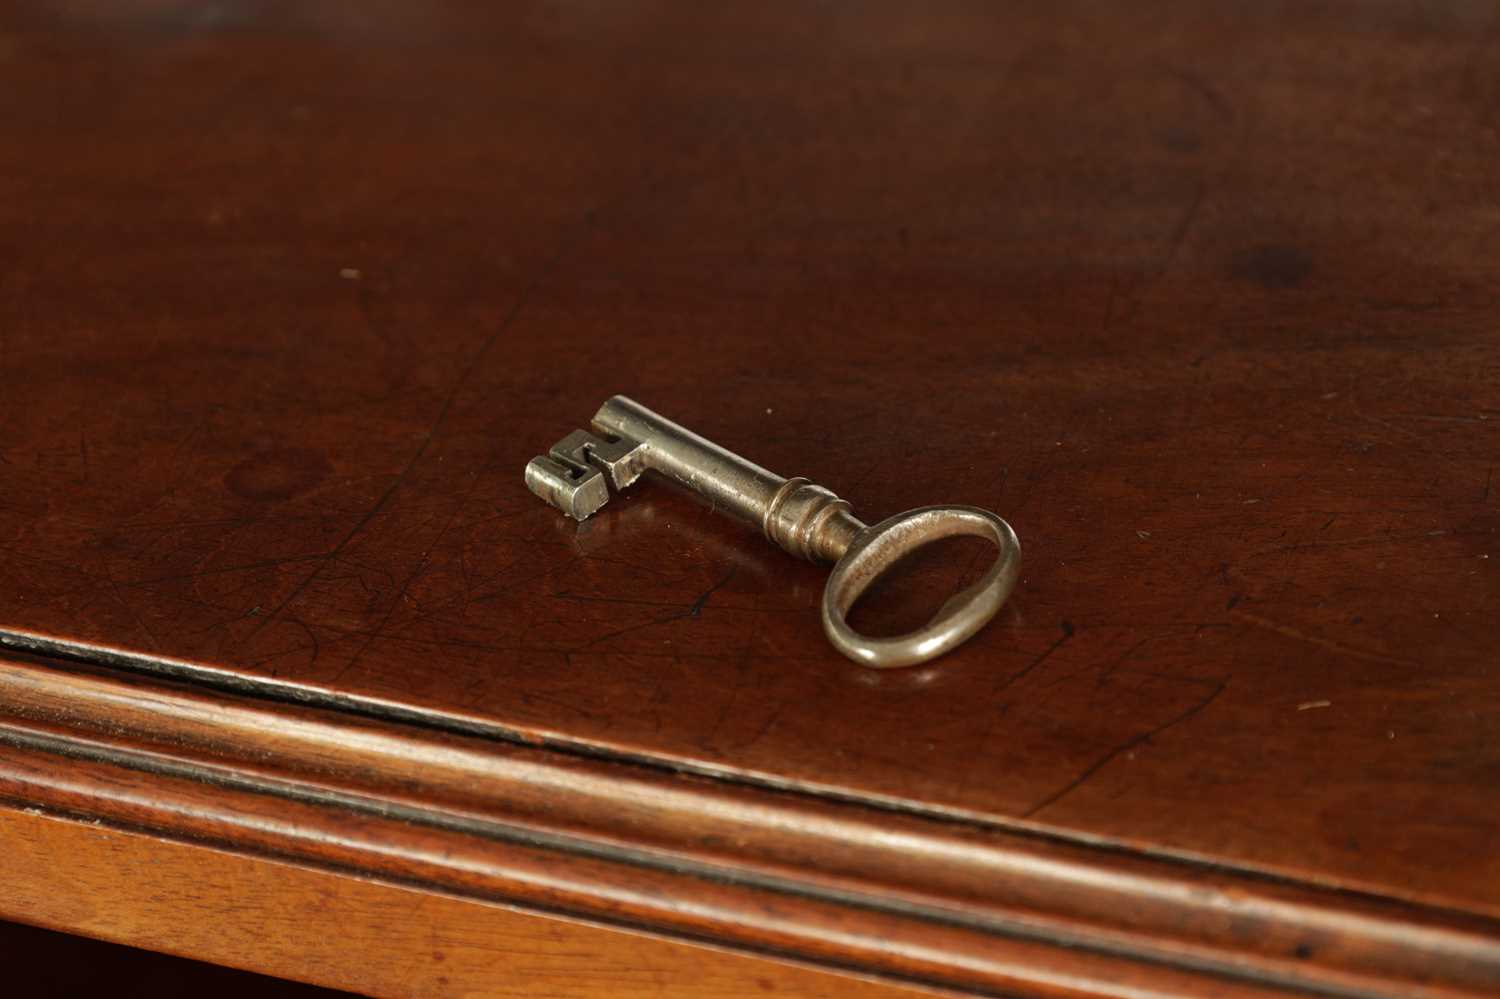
(901, 896)
(323, 927)
(1200, 296)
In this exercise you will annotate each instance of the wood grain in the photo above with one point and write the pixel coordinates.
(1200, 296)
(377, 939)
(960, 905)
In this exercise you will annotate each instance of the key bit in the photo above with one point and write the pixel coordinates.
(576, 474)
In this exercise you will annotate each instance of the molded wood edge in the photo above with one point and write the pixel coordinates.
(394, 851)
(970, 907)
(254, 913)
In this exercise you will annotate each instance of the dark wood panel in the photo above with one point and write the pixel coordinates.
(1200, 296)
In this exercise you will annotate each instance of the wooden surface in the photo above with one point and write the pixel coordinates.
(376, 939)
(1200, 296)
(791, 877)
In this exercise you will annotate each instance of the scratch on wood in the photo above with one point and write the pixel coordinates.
(691, 611)
(1103, 761)
(432, 432)
(698, 604)
(1318, 640)
(1067, 633)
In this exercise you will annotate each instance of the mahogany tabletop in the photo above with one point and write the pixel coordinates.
(1201, 297)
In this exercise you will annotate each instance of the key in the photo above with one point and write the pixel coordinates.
(628, 439)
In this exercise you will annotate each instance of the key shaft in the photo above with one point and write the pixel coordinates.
(802, 518)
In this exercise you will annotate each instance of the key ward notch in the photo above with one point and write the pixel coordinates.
(577, 473)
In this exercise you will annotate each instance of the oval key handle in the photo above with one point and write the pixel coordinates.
(628, 440)
(876, 549)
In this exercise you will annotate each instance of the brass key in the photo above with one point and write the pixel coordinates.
(804, 519)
